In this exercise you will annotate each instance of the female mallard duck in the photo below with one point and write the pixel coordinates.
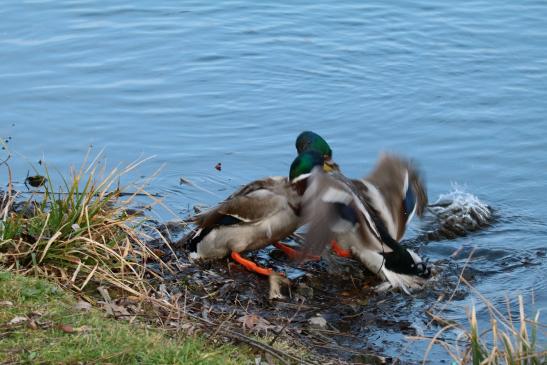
(368, 217)
(260, 213)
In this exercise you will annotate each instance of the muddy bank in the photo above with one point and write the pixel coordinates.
(330, 307)
(331, 312)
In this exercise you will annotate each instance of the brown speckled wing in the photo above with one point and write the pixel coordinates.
(256, 200)
(272, 183)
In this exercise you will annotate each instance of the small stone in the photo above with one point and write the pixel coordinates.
(17, 320)
(82, 306)
(318, 322)
(32, 325)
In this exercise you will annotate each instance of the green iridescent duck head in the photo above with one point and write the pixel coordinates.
(303, 165)
(310, 141)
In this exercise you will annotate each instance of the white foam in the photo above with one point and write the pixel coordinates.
(462, 208)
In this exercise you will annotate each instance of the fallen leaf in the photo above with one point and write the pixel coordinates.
(189, 328)
(32, 325)
(116, 310)
(133, 298)
(35, 314)
(66, 328)
(44, 324)
(6, 303)
(17, 320)
(255, 323)
(159, 253)
(82, 329)
(249, 320)
(276, 283)
(82, 306)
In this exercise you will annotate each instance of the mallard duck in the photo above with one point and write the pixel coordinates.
(260, 213)
(311, 141)
(368, 217)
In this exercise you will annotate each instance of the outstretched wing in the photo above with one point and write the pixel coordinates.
(397, 191)
(334, 204)
(331, 207)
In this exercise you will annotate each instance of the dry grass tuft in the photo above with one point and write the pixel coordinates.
(80, 233)
(511, 341)
(507, 340)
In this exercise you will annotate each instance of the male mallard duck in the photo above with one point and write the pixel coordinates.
(367, 217)
(260, 213)
(310, 141)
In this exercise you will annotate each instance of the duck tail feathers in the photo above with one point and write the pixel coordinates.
(402, 281)
(190, 241)
(404, 269)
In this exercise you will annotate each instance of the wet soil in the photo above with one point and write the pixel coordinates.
(330, 308)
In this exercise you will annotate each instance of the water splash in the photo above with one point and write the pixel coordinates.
(458, 213)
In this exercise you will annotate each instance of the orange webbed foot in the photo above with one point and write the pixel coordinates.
(294, 254)
(250, 265)
(339, 250)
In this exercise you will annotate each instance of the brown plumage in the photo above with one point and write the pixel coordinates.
(260, 213)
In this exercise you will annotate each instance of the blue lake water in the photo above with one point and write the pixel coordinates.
(460, 87)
